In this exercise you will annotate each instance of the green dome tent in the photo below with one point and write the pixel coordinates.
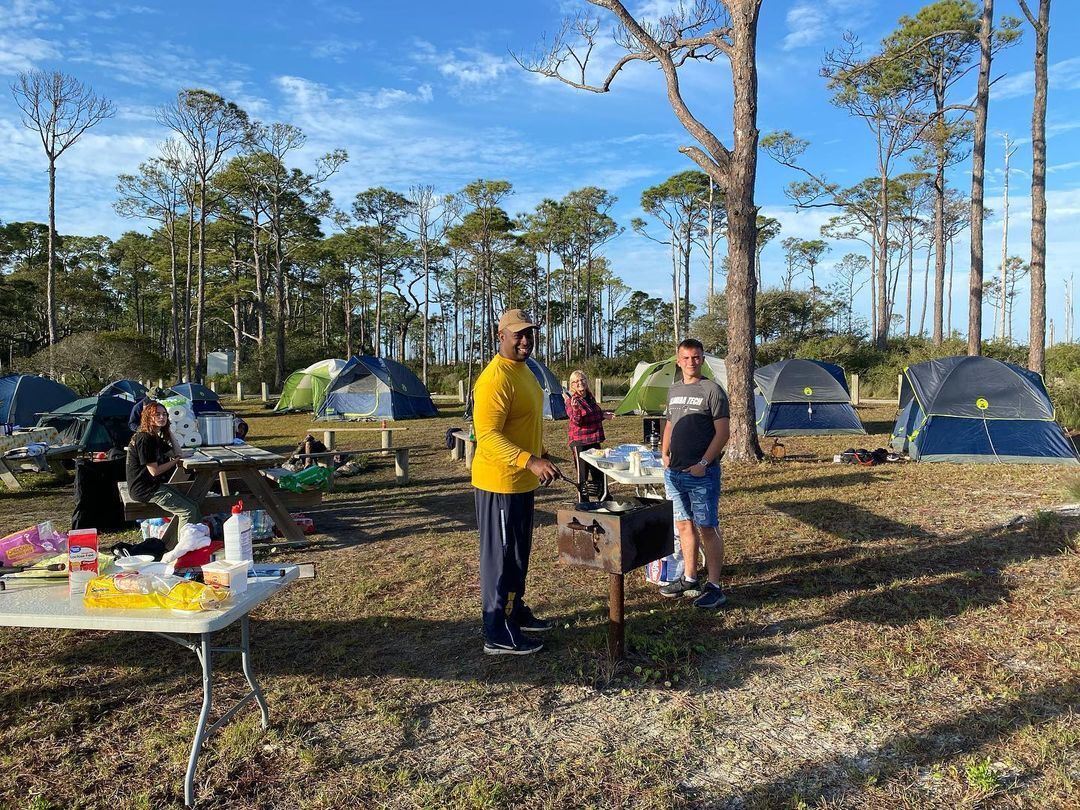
(305, 389)
(95, 424)
(650, 383)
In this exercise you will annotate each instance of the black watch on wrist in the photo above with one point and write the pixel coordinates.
(704, 462)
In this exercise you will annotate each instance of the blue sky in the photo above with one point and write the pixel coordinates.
(420, 91)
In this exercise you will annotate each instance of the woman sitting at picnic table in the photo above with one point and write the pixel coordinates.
(586, 430)
(152, 457)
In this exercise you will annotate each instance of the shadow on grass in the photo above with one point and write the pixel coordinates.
(967, 732)
(936, 577)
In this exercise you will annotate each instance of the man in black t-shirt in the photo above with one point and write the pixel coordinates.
(694, 436)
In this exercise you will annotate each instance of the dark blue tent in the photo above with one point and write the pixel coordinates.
(375, 388)
(23, 397)
(977, 409)
(203, 400)
(95, 424)
(804, 398)
(131, 390)
(554, 403)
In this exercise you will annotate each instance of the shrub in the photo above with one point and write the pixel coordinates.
(89, 361)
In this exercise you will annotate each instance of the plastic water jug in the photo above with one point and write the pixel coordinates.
(238, 536)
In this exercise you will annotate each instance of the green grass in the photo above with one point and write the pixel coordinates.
(894, 638)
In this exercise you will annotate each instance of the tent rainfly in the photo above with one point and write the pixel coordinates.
(304, 390)
(649, 385)
(804, 398)
(95, 424)
(978, 409)
(23, 397)
(203, 400)
(375, 388)
(131, 390)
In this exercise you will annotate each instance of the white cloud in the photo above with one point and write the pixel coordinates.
(1062, 75)
(20, 14)
(21, 53)
(474, 67)
(807, 24)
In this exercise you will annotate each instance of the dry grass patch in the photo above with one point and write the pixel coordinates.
(894, 639)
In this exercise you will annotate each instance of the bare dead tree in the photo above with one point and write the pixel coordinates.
(59, 108)
(697, 30)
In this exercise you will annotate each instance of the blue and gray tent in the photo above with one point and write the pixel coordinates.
(804, 398)
(131, 390)
(203, 400)
(24, 397)
(977, 409)
(554, 402)
(376, 388)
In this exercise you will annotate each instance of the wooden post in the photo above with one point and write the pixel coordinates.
(599, 391)
(401, 466)
(457, 452)
(855, 397)
(470, 450)
(328, 439)
(213, 386)
(387, 439)
(265, 392)
(461, 391)
(899, 388)
(239, 391)
(160, 383)
(615, 633)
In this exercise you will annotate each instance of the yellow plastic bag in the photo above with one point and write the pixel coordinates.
(134, 590)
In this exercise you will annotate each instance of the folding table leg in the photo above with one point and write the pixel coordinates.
(8, 477)
(245, 664)
(205, 658)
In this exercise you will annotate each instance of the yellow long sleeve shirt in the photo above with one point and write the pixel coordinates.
(508, 414)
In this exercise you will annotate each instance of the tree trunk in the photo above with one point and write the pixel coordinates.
(939, 250)
(881, 334)
(50, 273)
(742, 238)
(1004, 235)
(978, 169)
(1037, 327)
(200, 306)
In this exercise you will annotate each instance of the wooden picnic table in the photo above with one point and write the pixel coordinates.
(255, 468)
(55, 453)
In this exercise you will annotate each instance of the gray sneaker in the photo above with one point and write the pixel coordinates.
(711, 598)
(681, 587)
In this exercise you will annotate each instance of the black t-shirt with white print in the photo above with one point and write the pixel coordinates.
(692, 410)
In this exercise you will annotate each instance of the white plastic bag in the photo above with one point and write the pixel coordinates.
(192, 536)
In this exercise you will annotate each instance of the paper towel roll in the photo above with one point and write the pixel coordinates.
(193, 440)
(183, 426)
(177, 413)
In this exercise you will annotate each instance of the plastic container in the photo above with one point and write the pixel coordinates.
(231, 575)
(238, 536)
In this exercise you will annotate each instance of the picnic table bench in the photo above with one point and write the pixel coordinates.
(464, 447)
(401, 458)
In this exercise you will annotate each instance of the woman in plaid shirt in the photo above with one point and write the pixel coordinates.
(586, 430)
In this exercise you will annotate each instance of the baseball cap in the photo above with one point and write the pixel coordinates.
(516, 320)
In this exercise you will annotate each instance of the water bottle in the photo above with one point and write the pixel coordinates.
(654, 439)
(238, 536)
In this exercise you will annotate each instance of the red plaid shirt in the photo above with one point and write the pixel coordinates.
(586, 420)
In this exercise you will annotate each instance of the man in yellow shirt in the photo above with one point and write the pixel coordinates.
(509, 464)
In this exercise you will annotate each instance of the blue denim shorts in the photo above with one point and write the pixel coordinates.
(692, 498)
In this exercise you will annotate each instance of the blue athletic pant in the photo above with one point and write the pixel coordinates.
(505, 521)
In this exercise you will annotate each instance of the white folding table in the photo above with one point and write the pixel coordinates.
(49, 606)
(647, 486)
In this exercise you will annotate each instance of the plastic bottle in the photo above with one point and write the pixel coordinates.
(238, 536)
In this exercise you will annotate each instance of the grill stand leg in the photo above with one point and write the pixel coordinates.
(615, 637)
